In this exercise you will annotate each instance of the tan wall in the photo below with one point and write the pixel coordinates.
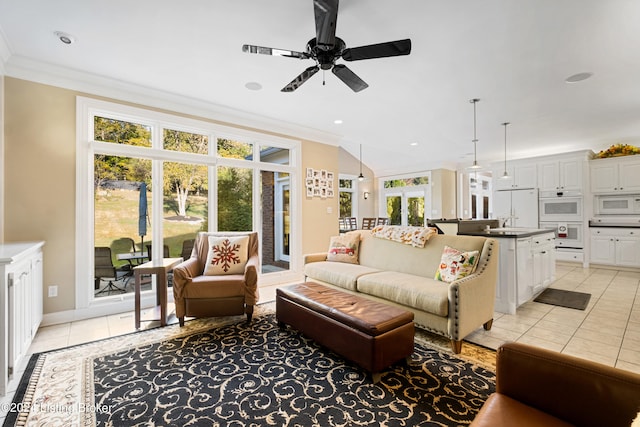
(351, 165)
(40, 181)
(39, 176)
(443, 194)
(318, 224)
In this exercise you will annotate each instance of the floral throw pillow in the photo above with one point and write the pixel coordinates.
(227, 255)
(455, 264)
(344, 248)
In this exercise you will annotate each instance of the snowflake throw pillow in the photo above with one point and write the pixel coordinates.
(227, 255)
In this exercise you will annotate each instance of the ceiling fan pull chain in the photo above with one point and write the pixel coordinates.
(323, 74)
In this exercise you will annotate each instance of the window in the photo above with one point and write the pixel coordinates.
(347, 191)
(479, 192)
(406, 199)
(245, 182)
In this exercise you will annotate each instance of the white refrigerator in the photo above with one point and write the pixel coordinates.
(518, 207)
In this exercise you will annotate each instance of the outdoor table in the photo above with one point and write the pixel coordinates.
(160, 268)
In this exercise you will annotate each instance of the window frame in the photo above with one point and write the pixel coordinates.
(87, 148)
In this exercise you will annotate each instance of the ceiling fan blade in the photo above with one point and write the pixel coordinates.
(249, 48)
(326, 15)
(298, 81)
(380, 50)
(349, 78)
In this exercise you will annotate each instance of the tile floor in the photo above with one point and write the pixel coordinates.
(608, 331)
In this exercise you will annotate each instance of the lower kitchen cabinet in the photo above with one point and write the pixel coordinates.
(526, 267)
(615, 246)
(20, 305)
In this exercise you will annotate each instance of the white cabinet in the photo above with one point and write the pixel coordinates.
(524, 272)
(526, 266)
(543, 260)
(615, 246)
(20, 304)
(560, 175)
(520, 176)
(615, 175)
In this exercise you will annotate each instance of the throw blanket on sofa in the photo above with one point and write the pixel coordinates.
(414, 236)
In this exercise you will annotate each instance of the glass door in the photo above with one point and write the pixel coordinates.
(282, 219)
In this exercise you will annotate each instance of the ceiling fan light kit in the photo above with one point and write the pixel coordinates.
(325, 49)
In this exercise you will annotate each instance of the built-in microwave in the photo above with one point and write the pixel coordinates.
(618, 205)
(561, 209)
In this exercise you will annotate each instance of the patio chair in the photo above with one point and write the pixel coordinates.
(382, 221)
(104, 270)
(187, 248)
(368, 223)
(212, 283)
(165, 252)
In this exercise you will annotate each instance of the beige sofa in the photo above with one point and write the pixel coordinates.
(403, 276)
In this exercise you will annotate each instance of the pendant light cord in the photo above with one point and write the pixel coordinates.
(505, 124)
(475, 138)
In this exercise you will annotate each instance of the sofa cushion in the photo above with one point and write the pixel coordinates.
(227, 255)
(502, 411)
(337, 273)
(421, 293)
(455, 264)
(344, 248)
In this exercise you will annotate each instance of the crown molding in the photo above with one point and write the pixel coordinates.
(50, 74)
(5, 52)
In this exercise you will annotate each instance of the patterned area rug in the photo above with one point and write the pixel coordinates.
(230, 373)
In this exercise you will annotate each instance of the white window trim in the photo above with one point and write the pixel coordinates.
(354, 190)
(86, 306)
(403, 192)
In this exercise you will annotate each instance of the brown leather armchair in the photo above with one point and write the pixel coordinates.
(197, 295)
(537, 387)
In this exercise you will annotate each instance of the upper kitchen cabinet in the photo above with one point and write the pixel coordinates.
(521, 176)
(560, 175)
(615, 175)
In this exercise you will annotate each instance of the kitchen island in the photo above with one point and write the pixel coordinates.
(526, 264)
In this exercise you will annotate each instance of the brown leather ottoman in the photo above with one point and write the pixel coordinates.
(369, 333)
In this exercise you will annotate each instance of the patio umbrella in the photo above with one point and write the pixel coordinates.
(142, 215)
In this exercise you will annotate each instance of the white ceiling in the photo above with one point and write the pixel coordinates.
(512, 54)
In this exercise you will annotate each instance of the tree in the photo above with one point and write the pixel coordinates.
(116, 167)
(181, 178)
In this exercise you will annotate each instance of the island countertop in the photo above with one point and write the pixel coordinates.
(513, 233)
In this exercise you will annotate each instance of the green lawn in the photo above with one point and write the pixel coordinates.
(116, 216)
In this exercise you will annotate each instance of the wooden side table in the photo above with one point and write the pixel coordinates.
(160, 268)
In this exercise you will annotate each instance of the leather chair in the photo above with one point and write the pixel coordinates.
(197, 295)
(538, 387)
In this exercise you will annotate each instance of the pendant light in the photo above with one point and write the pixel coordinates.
(360, 177)
(505, 175)
(475, 164)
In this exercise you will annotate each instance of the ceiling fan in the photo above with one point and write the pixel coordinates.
(325, 49)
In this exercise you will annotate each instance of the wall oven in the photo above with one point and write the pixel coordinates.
(564, 208)
(568, 234)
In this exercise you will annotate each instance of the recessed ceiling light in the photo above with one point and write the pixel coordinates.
(413, 144)
(578, 77)
(253, 86)
(64, 37)
(337, 121)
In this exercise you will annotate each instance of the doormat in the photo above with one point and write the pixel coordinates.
(562, 298)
